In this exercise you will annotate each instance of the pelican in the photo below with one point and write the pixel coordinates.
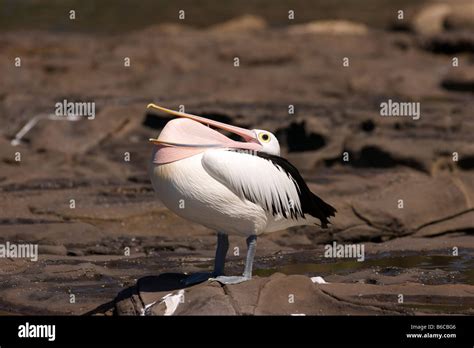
(233, 187)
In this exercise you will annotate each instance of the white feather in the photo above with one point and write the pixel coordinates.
(207, 189)
(260, 178)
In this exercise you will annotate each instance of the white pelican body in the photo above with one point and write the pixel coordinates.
(232, 187)
(203, 199)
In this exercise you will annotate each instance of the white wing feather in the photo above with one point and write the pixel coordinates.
(250, 176)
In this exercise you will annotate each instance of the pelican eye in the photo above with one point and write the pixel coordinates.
(264, 137)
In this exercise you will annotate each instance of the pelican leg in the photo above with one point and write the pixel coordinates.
(219, 262)
(251, 247)
(221, 252)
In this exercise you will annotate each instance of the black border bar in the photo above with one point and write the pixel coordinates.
(209, 330)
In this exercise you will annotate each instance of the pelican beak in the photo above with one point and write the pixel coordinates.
(246, 134)
(169, 143)
(188, 135)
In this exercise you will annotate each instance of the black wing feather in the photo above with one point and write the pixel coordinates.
(310, 203)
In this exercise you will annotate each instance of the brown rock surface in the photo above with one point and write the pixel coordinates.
(243, 23)
(298, 295)
(118, 233)
(332, 27)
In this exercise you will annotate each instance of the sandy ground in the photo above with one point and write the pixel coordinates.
(423, 250)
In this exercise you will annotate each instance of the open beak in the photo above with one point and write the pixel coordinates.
(248, 135)
(188, 135)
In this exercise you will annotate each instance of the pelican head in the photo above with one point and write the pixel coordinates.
(189, 135)
(268, 141)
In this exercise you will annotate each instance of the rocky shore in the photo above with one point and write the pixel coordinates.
(403, 187)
